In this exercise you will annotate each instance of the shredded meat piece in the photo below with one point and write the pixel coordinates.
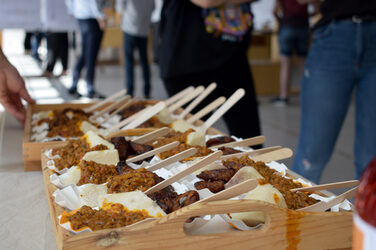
(114, 216)
(153, 122)
(185, 199)
(294, 200)
(219, 140)
(92, 172)
(65, 126)
(138, 179)
(224, 174)
(127, 149)
(229, 151)
(213, 186)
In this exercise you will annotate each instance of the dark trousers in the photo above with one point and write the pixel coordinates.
(242, 119)
(130, 44)
(57, 48)
(91, 38)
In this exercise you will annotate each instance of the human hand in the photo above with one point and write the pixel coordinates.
(102, 23)
(12, 89)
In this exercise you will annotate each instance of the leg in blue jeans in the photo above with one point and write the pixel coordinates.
(84, 30)
(94, 41)
(327, 85)
(365, 128)
(142, 43)
(129, 44)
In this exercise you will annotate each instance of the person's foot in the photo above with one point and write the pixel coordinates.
(94, 94)
(279, 101)
(64, 73)
(73, 91)
(47, 73)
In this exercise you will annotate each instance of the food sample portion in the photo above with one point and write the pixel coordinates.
(216, 179)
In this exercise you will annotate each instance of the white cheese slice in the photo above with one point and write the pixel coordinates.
(164, 116)
(135, 200)
(180, 125)
(87, 126)
(265, 193)
(245, 173)
(93, 140)
(196, 139)
(106, 157)
(91, 194)
(72, 176)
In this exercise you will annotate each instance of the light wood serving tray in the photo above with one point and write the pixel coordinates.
(284, 229)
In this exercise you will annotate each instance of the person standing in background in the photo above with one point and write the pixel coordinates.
(136, 15)
(293, 34)
(204, 42)
(91, 21)
(341, 61)
(12, 90)
(57, 48)
(155, 23)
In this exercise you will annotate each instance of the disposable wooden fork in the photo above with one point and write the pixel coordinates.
(178, 95)
(243, 143)
(187, 98)
(334, 185)
(257, 152)
(222, 110)
(197, 101)
(209, 108)
(322, 206)
(122, 107)
(138, 118)
(198, 165)
(153, 152)
(105, 101)
(175, 158)
(119, 102)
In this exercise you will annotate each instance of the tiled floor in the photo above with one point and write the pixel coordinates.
(279, 125)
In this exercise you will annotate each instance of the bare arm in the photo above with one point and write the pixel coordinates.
(12, 90)
(277, 9)
(214, 3)
(306, 1)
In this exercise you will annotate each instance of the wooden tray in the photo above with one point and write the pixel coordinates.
(284, 229)
(31, 151)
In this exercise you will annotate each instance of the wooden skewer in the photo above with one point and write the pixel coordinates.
(243, 143)
(146, 115)
(323, 206)
(233, 191)
(187, 98)
(108, 99)
(123, 106)
(197, 101)
(275, 155)
(222, 110)
(175, 158)
(179, 95)
(110, 107)
(341, 184)
(126, 121)
(153, 152)
(209, 108)
(253, 153)
(198, 165)
(152, 135)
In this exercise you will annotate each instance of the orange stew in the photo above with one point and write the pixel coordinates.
(138, 179)
(294, 200)
(116, 216)
(95, 173)
(72, 153)
(63, 125)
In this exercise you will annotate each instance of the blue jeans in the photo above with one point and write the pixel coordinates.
(342, 60)
(91, 38)
(130, 44)
(293, 39)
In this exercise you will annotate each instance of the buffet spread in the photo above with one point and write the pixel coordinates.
(147, 174)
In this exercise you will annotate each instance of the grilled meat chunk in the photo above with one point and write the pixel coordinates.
(219, 140)
(213, 186)
(223, 174)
